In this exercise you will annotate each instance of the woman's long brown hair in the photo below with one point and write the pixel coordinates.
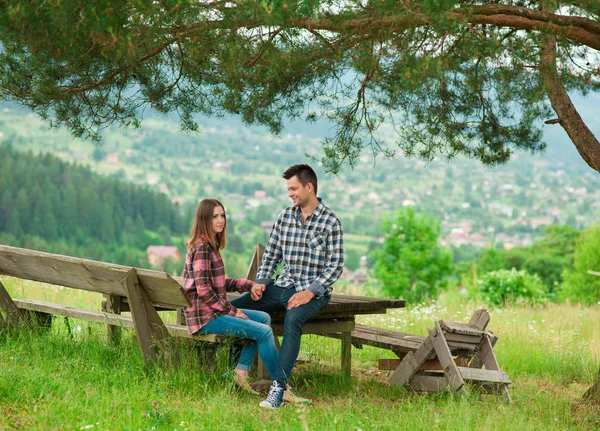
(202, 230)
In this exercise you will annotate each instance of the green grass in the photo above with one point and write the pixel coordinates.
(70, 378)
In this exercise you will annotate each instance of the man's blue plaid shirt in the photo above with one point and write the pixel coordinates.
(312, 252)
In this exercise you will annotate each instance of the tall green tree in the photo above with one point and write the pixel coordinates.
(448, 76)
(411, 265)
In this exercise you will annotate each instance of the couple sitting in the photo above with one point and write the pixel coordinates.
(308, 238)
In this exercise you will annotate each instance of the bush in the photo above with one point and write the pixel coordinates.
(509, 287)
(578, 285)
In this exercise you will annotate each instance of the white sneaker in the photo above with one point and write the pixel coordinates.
(291, 396)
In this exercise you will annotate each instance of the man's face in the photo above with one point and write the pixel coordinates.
(298, 193)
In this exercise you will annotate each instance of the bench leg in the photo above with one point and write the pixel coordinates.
(346, 353)
(14, 315)
(112, 304)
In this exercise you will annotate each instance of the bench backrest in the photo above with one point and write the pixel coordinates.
(90, 275)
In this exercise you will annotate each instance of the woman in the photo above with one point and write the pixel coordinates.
(211, 313)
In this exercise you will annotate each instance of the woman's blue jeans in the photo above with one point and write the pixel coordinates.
(257, 328)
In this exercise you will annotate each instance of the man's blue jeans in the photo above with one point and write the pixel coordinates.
(257, 328)
(276, 298)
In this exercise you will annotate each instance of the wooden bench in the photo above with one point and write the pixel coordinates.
(143, 290)
(144, 293)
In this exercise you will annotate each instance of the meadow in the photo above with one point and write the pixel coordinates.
(70, 378)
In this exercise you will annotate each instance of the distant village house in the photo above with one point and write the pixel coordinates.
(157, 254)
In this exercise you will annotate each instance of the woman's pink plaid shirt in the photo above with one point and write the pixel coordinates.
(205, 286)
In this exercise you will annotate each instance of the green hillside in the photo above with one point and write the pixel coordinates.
(53, 205)
(506, 205)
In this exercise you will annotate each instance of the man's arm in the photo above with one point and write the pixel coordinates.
(272, 255)
(334, 264)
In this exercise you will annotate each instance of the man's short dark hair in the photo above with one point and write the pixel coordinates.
(304, 173)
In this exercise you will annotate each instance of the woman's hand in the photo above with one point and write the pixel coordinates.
(256, 291)
(239, 313)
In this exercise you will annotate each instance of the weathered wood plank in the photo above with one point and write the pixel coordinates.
(589, 271)
(61, 270)
(431, 364)
(442, 351)
(479, 375)
(108, 318)
(485, 357)
(412, 363)
(480, 319)
(463, 338)
(459, 328)
(346, 353)
(162, 288)
(398, 342)
(318, 328)
(140, 317)
(13, 314)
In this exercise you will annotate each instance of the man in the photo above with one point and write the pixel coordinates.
(308, 238)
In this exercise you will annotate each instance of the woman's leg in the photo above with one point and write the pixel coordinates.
(260, 332)
(249, 351)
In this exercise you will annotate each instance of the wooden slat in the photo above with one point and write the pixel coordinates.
(589, 271)
(480, 319)
(442, 351)
(485, 376)
(140, 317)
(463, 338)
(412, 363)
(318, 328)
(107, 318)
(459, 328)
(399, 342)
(162, 288)
(61, 270)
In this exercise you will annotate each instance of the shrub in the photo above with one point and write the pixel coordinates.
(509, 287)
(578, 285)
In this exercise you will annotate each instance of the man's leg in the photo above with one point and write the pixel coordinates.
(292, 329)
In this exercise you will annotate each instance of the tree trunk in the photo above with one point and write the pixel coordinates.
(568, 117)
(592, 395)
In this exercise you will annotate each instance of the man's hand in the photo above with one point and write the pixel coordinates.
(240, 314)
(256, 291)
(300, 298)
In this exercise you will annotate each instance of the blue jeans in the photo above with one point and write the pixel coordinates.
(257, 328)
(276, 298)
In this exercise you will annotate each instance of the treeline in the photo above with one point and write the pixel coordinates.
(49, 204)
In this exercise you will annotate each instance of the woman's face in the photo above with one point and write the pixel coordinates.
(218, 220)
